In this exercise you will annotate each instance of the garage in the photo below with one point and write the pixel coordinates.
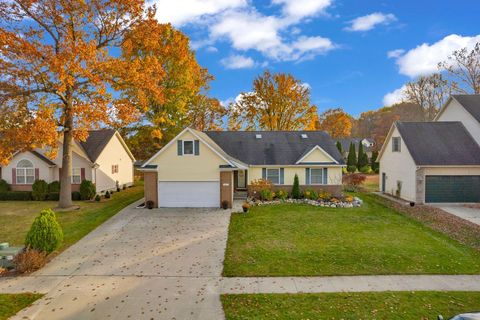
(189, 194)
(451, 189)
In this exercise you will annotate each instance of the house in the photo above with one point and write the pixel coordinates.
(368, 145)
(103, 158)
(203, 169)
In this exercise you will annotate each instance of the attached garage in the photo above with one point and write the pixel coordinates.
(189, 194)
(452, 188)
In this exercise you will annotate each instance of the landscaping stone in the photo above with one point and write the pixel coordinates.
(357, 202)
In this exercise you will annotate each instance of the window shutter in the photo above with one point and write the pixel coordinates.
(197, 147)
(325, 176)
(14, 176)
(37, 173)
(179, 147)
(264, 173)
(82, 174)
(307, 175)
(281, 176)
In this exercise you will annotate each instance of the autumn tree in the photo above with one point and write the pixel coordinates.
(463, 67)
(336, 122)
(276, 102)
(429, 92)
(59, 74)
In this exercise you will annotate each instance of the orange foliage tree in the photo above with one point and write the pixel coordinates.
(277, 102)
(336, 122)
(59, 75)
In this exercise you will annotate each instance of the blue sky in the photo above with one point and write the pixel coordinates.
(353, 54)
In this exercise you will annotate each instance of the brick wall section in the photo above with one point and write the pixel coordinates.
(334, 190)
(150, 180)
(226, 187)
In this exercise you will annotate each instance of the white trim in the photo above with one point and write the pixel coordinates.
(183, 148)
(175, 139)
(385, 143)
(310, 178)
(25, 172)
(442, 109)
(80, 174)
(301, 165)
(124, 144)
(313, 149)
(399, 144)
(279, 180)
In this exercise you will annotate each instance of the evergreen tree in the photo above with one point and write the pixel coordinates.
(362, 159)
(352, 159)
(373, 161)
(296, 188)
(339, 147)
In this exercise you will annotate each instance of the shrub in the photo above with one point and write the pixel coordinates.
(245, 207)
(107, 195)
(353, 180)
(348, 199)
(373, 161)
(53, 196)
(45, 233)
(76, 196)
(54, 186)
(310, 194)
(260, 184)
(4, 187)
(296, 188)
(124, 187)
(282, 194)
(15, 196)
(352, 157)
(365, 169)
(29, 260)
(39, 190)
(351, 169)
(87, 190)
(266, 195)
(97, 198)
(324, 195)
(362, 159)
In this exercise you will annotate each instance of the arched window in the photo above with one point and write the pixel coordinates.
(25, 172)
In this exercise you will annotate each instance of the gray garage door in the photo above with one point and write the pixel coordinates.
(452, 189)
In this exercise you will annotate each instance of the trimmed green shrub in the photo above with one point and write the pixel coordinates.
(282, 194)
(107, 195)
(352, 158)
(4, 187)
(45, 234)
(54, 186)
(351, 169)
(296, 188)
(97, 198)
(365, 169)
(76, 196)
(310, 194)
(39, 190)
(53, 196)
(16, 196)
(87, 190)
(266, 195)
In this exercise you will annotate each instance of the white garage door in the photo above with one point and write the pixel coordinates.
(189, 194)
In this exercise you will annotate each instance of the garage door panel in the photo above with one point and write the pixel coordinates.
(453, 189)
(189, 194)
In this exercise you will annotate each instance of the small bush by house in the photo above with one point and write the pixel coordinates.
(4, 187)
(39, 190)
(54, 186)
(29, 260)
(45, 233)
(15, 196)
(266, 195)
(87, 190)
(296, 188)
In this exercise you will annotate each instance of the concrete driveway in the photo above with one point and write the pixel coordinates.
(141, 264)
(462, 211)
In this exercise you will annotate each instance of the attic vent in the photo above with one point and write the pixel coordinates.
(304, 136)
(258, 136)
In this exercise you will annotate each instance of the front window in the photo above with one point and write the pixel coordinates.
(273, 175)
(25, 172)
(316, 176)
(187, 147)
(76, 176)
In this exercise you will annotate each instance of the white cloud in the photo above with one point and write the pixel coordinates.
(424, 59)
(180, 12)
(369, 21)
(394, 97)
(211, 49)
(237, 62)
(297, 9)
(395, 53)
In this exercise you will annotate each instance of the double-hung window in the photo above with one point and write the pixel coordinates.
(188, 147)
(273, 175)
(25, 172)
(316, 176)
(396, 146)
(76, 176)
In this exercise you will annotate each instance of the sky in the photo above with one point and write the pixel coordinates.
(352, 54)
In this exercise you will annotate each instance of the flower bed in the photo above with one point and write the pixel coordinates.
(354, 203)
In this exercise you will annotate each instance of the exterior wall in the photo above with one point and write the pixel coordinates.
(455, 112)
(172, 167)
(334, 174)
(150, 179)
(44, 171)
(113, 154)
(317, 156)
(226, 187)
(398, 166)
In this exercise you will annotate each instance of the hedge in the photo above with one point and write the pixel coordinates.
(27, 196)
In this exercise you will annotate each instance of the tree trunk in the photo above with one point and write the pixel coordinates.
(65, 200)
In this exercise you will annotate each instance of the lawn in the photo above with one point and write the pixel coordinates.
(16, 217)
(10, 304)
(355, 306)
(371, 183)
(302, 240)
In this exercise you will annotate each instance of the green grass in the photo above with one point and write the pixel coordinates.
(16, 217)
(354, 306)
(302, 240)
(10, 304)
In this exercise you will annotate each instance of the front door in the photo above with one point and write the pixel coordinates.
(241, 179)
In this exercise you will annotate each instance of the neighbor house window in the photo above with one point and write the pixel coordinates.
(273, 175)
(25, 172)
(396, 144)
(316, 176)
(76, 176)
(187, 147)
(115, 168)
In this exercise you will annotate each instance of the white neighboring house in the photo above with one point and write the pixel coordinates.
(435, 162)
(103, 158)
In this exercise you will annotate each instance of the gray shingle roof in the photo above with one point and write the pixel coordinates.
(274, 148)
(471, 103)
(345, 142)
(97, 140)
(44, 158)
(439, 143)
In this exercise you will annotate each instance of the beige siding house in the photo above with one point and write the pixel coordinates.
(103, 159)
(435, 162)
(202, 169)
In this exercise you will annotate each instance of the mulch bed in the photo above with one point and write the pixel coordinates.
(463, 231)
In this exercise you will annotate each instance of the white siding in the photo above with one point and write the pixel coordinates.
(398, 166)
(455, 112)
(45, 172)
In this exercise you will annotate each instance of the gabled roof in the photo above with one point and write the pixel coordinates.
(42, 157)
(471, 103)
(274, 147)
(439, 143)
(97, 141)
